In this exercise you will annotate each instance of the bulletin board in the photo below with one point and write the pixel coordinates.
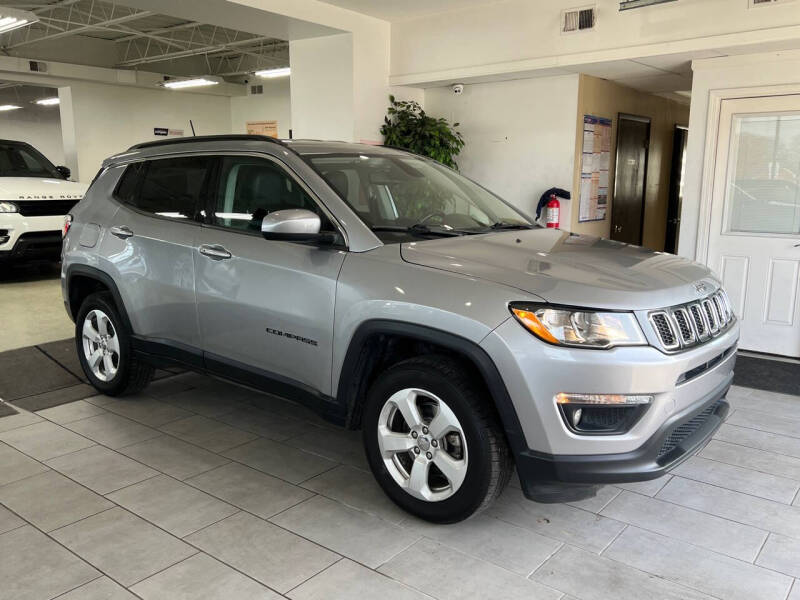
(595, 158)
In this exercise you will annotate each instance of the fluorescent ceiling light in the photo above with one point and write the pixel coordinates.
(11, 18)
(179, 84)
(271, 73)
(9, 107)
(48, 101)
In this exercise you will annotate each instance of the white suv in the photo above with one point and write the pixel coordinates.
(34, 198)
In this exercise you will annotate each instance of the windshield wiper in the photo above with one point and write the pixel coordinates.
(501, 225)
(418, 229)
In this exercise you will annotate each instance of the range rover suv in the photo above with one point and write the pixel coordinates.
(35, 196)
(395, 296)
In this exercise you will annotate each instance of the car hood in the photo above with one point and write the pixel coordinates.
(563, 268)
(40, 188)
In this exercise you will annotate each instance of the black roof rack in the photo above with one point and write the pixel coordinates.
(207, 138)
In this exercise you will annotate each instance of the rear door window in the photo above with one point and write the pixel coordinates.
(169, 187)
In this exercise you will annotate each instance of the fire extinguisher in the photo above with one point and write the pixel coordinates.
(552, 212)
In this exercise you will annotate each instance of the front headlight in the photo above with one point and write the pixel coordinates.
(579, 328)
(8, 207)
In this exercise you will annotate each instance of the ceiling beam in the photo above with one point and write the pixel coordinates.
(193, 52)
(81, 28)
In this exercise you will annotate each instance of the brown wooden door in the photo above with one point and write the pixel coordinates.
(627, 206)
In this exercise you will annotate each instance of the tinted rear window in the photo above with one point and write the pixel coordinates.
(169, 187)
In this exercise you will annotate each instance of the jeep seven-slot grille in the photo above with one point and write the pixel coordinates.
(687, 325)
(684, 430)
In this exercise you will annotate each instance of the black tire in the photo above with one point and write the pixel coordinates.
(132, 375)
(489, 465)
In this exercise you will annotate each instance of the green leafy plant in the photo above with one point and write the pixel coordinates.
(407, 126)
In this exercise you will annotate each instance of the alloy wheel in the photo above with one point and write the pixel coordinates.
(100, 345)
(422, 444)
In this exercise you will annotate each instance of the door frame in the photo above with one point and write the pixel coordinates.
(673, 193)
(649, 122)
(716, 97)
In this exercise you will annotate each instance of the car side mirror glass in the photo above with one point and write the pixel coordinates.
(294, 224)
(64, 171)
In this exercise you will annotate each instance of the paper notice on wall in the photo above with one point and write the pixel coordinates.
(595, 160)
(268, 128)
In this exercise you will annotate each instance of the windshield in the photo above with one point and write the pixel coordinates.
(414, 195)
(22, 160)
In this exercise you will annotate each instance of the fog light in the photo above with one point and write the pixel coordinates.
(601, 414)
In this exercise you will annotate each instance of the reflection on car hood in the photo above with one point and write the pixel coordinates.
(568, 269)
(40, 188)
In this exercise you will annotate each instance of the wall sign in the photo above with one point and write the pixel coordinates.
(268, 128)
(594, 169)
(166, 131)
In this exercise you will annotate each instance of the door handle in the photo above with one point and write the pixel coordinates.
(214, 252)
(121, 231)
(797, 245)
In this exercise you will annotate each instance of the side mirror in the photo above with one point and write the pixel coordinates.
(64, 171)
(294, 224)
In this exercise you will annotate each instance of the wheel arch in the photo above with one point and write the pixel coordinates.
(83, 280)
(373, 341)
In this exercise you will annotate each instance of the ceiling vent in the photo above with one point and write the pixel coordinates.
(574, 20)
(256, 89)
(37, 66)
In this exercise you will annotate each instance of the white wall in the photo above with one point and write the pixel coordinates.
(106, 119)
(273, 105)
(520, 135)
(322, 87)
(748, 75)
(39, 127)
(519, 35)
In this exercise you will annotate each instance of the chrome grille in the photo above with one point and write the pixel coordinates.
(664, 330)
(698, 320)
(684, 325)
(711, 316)
(687, 325)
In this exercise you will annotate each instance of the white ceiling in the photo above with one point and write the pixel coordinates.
(404, 10)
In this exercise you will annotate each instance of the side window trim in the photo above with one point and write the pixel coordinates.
(213, 195)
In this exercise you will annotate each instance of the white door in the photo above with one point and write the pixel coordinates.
(754, 241)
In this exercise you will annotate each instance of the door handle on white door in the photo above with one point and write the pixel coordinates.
(121, 231)
(214, 252)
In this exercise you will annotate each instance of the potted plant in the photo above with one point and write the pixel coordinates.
(407, 126)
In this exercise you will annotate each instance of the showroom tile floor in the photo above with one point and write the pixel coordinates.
(200, 489)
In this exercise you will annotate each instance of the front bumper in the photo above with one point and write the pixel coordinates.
(675, 441)
(30, 238)
(565, 463)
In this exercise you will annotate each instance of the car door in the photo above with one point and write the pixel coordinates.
(265, 307)
(151, 246)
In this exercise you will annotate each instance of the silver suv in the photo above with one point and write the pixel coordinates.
(393, 295)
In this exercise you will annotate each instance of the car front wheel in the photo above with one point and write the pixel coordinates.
(433, 441)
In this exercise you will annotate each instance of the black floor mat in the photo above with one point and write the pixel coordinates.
(767, 374)
(28, 371)
(6, 410)
(64, 353)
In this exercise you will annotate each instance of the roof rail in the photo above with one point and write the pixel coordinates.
(207, 138)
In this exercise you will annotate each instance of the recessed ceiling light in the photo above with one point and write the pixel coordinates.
(48, 101)
(178, 84)
(11, 18)
(5, 107)
(271, 73)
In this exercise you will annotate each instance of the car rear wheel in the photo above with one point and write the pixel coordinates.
(104, 348)
(433, 441)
